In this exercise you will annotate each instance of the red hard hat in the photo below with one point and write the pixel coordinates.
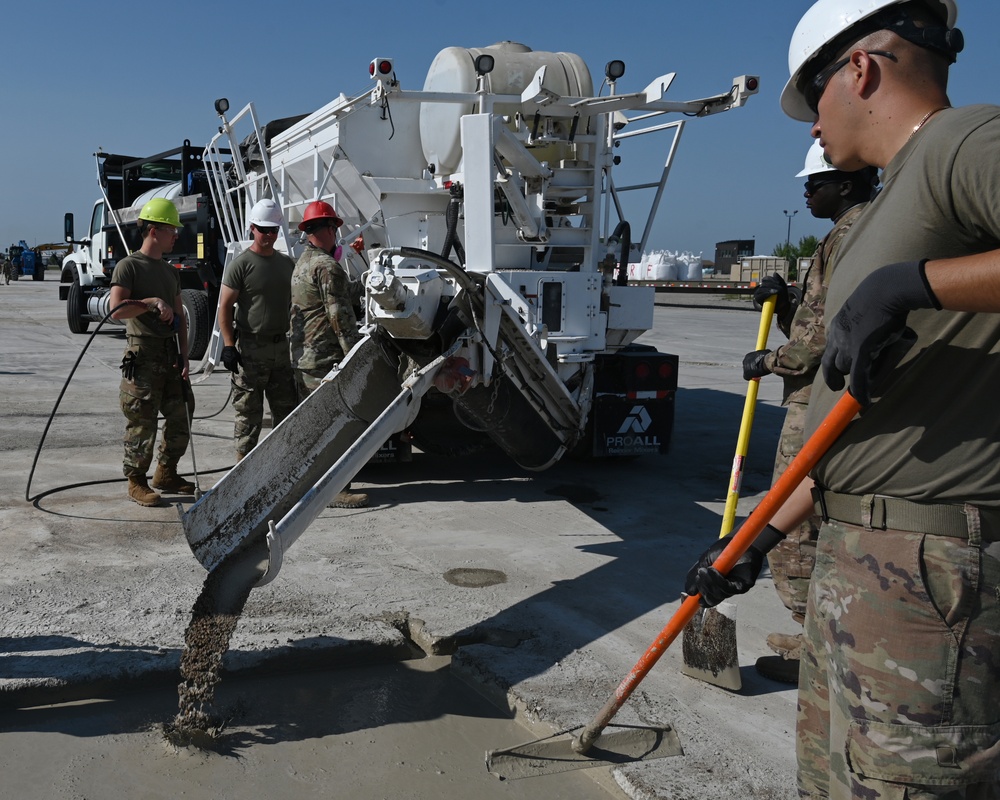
(319, 210)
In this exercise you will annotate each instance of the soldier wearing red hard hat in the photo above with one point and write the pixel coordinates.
(323, 324)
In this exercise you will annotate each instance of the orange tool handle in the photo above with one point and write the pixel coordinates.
(832, 426)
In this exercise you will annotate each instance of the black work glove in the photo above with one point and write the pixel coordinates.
(775, 286)
(128, 365)
(872, 318)
(753, 365)
(712, 585)
(231, 358)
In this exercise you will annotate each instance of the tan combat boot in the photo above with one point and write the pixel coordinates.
(166, 479)
(346, 499)
(139, 492)
(786, 645)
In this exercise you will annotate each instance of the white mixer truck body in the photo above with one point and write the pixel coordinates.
(495, 273)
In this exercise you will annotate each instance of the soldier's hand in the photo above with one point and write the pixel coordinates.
(714, 587)
(231, 358)
(775, 286)
(162, 310)
(754, 366)
(871, 319)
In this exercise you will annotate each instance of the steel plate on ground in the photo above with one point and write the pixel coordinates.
(622, 745)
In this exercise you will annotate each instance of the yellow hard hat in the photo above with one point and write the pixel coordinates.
(161, 210)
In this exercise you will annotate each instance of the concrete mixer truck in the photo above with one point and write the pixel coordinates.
(495, 264)
(126, 184)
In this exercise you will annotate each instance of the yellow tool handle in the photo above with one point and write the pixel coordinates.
(743, 440)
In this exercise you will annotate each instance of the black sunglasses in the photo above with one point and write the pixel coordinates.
(814, 186)
(267, 230)
(814, 88)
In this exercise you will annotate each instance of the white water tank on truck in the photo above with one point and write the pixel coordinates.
(453, 70)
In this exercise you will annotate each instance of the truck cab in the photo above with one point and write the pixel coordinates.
(127, 183)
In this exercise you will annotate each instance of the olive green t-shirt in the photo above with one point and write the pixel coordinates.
(265, 287)
(146, 277)
(934, 436)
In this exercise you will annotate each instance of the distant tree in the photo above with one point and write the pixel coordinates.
(806, 247)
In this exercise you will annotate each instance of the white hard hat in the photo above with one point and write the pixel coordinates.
(815, 162)
(821, 25)
(266, 213)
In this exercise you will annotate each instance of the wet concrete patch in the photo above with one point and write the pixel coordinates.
(409, 729)
(474, 577)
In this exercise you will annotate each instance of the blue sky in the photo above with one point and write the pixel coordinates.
(140, 78)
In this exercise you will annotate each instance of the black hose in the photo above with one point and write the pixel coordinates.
(451, 240)
(622, 234)
(52, 415)
(465, 279)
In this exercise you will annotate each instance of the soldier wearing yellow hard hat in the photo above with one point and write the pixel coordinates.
(146, 294)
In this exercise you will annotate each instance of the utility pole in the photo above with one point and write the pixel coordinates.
(788, 236)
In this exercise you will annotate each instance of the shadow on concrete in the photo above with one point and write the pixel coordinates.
(261, 708)
(655, 506)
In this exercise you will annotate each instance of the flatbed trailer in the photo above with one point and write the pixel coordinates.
(710, 287)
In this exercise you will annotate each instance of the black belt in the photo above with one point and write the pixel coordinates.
(879, 512)
(273, 338)
(142, 339)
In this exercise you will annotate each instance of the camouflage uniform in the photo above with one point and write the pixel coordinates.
(900, 669)
(873, 690)
(155, 385)
(8, 270)
(797, 362)
(262, 321)
(323, 324)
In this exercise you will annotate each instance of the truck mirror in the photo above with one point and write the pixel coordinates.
(68, 228)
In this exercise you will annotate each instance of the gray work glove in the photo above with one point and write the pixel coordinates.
(714, 587)
(754, 366)
(871, 319)
(775, 286)
(231, 358)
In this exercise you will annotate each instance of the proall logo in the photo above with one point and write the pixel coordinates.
(637, 421)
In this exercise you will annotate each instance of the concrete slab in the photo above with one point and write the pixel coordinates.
(593, 555)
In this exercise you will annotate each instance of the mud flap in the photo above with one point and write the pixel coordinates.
(291, 475)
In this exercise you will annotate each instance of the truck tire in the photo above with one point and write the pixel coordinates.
(39, 274)
(199, 325)
(437, 431)
(76, 307)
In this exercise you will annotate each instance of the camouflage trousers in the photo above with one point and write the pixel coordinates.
(792, 560)
(265, 372)
(899, 676)
(307, 381)
(155, 388)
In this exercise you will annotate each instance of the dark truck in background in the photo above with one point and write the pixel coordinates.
(127, 183)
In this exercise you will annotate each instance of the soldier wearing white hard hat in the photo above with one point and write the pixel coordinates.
(254, 306)
(899, 677)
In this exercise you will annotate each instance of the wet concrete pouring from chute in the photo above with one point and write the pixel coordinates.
(214, 617)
